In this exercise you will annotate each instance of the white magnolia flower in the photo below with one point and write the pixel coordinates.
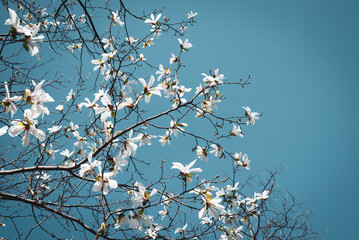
(175, 127)
(3, 130)
(202, 153)
(31, 40)
(184, 45)
(252, 116)
(213, 79)
(82, 19)
(129, 144)
(164, 139)
(231, 233)
(100, 64)
(109, 43)
(15, 23)
(164, 212)
(116, 19)
(186, 170)
(70, 95)
(210, 205)
(181, 230)
(120, 162)
(66, 153)
(262, 196)
(131, 40)
(37, 99)
(74, 46)
(162, 72)
(244, 162)
(217, 150)
(85, 168)
(153, 20)
(148, 91)
(27, 125)
(7, 103)
(191, 15)
(173, 59)
(60, 108)
(54, 129)
(141, 57)
(183, 28)
(236, 131)
(103, 183)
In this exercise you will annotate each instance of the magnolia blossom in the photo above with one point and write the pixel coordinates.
(162, 72)
(184, 45)
(175, 127)
(108, 43)
(210, 205)
(191, 15)
(236, 131)
(27, 125)
(140, 197)
(186, 170)
(213, 79)
(31, 41)
(15, 23)
(3, 130)
(181, 230)
(131, 40)
(252, 116)
(147, 90)
(116, 19)
(120, 162)
(129, 144)
(183, 28)
(217, 150)
(82, 19)
(37, 98)
(86, 168)
(60, 107)
(244, 162)
(66, 153)
(262, 196)
(173, 59)
(153, 20)
(54, 129)
(100, 64)
(7, 103)
(202, 153)
(104, 182)
(231, 233)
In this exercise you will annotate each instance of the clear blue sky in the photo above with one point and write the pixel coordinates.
(303, 59)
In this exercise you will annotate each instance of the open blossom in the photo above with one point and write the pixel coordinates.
(109, 43)
(54, 129)
(184, 45)
(3, 130)
(217, 150)
(210, 206)
(236, 131)
(100, 64)
(66, 153)
(74, 46)
(231, 233)
(31, 41)
(37, 98)
(252, 116)
(104, 182)
(202, 153)
(70, 95)
(15, 23)
(147, 90)
(85, 168)
(183, 28)
(213, 79)
(175, 127)
(181, 230)
(244, 162)
(116, 19)
(131, 40)
(173, 59)
(186, 170)
(191, 15)
(262, 196)
(130, 145)
(27, 125)
(162, 72)
(153, 20)
(7, 103)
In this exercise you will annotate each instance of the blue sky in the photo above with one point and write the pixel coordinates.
(303, 60)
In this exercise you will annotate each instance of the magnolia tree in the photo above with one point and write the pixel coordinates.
(82, 164)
